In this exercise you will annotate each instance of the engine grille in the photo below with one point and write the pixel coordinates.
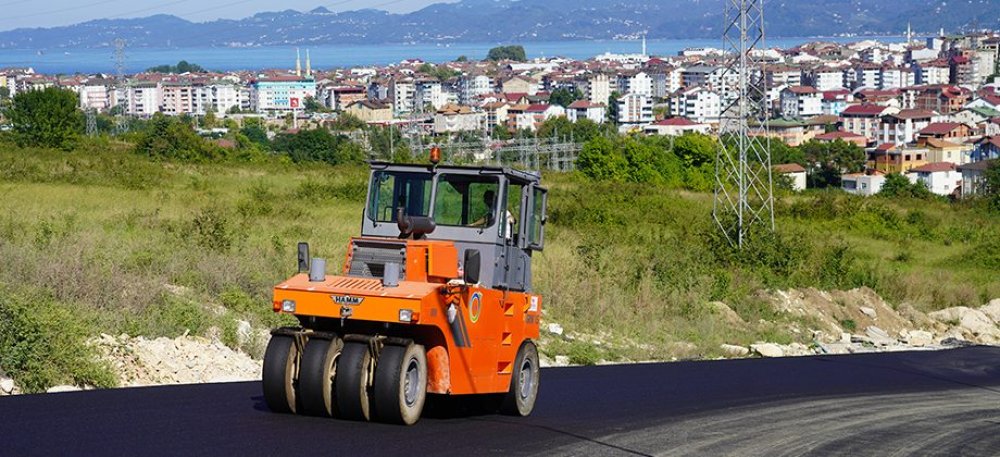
(369, 258)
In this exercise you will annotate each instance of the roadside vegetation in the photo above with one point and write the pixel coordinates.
(166, 234)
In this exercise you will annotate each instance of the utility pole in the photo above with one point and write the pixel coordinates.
(121, 88)
(744, 196)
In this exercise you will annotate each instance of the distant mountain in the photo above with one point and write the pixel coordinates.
(506, 21)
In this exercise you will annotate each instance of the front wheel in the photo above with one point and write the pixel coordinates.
(401, 384)
(351, 382)
(520, 398)
(281, 360)
(319, 368)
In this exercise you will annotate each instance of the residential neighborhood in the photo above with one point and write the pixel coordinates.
(928, 109)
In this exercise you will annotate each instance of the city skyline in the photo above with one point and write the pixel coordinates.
(30, 14)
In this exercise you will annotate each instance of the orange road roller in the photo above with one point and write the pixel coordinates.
(434, 297)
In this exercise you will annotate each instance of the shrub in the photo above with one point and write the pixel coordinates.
(43, 343)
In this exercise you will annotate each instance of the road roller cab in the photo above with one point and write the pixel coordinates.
(434, 297)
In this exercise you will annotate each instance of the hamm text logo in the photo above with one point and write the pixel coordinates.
(347, 300)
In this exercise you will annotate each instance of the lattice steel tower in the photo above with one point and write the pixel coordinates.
(744, 198)
(121, 88)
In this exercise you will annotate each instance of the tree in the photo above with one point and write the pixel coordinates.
(613, 107)
(556, 127)
(210, 121)
(4, 98)
(564, 97)
(181, 67)
(695, 149)
(346, 122)
(169, 138)
(462, 58)
(899, 186)
(826, 162)
(317, 145)
(515, 52)
(991, 184)
(439, 72)
(46, 118)
(314, 106)
(601, 159)
(585, 130)
(256, 133)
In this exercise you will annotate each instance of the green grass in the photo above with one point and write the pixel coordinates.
(162, 248)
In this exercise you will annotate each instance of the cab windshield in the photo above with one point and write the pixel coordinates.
(393, 192)
(460, 201)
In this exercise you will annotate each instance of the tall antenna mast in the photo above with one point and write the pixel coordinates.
(121, 87)
(744, 195)
(91, 122)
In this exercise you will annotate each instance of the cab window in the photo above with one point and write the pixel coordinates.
(466, 200)
(395, 191)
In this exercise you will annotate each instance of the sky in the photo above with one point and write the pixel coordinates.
(48, 13)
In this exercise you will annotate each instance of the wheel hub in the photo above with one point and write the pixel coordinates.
(411, 382)
(525, 380)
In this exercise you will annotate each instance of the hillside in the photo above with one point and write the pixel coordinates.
(104, 241)
(501, 21)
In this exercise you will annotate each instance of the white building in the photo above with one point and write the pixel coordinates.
(666, 82)
(402, 92)
(638, 83)
(933, 73)
(942, 178)
(862, 184)
(455, 118)
(225, 97)
(94, 94)
(699, 104)
(472, 86)
(282, 94)
(635, 109)
(430, 93)
(143, 99)
(598, 88)
(795, 172)
(825, 79)
(897, 78)
(583, 109)
(801, 101)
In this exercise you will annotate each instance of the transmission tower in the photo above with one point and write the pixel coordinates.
(744, 196)
(91, 122)
(121, 88)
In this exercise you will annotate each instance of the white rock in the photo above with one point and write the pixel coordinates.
(879, 336)
(845, 338)
(555, 329)
(63, 388)
(992, 309)
(243, 332)
(975, 321)
(733, 350)
(6, 386)
(767, 350)
(561, 360)
(919, 338)
(870, 312)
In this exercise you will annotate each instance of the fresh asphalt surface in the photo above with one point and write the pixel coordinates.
(912, 403)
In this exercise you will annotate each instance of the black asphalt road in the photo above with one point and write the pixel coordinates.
(912, 403)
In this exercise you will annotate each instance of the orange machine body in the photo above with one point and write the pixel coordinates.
(472, 334)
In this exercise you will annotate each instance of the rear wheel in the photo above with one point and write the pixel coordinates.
(317, 372)
(401, 384)
(520, 399)
(351, 382)
(280, 369)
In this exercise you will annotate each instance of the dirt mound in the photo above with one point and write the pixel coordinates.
(139, 361)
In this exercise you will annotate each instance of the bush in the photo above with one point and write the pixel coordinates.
(43, 343)
(169, 138)
(47, 118)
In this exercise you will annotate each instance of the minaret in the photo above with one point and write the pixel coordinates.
(644, 44)
(909, 33)
(309, 71)
(298, 63)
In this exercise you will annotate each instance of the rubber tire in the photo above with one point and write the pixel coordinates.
(278, 377)
(390, 384)
(516, 402)
(351, 383)
(316, 373)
